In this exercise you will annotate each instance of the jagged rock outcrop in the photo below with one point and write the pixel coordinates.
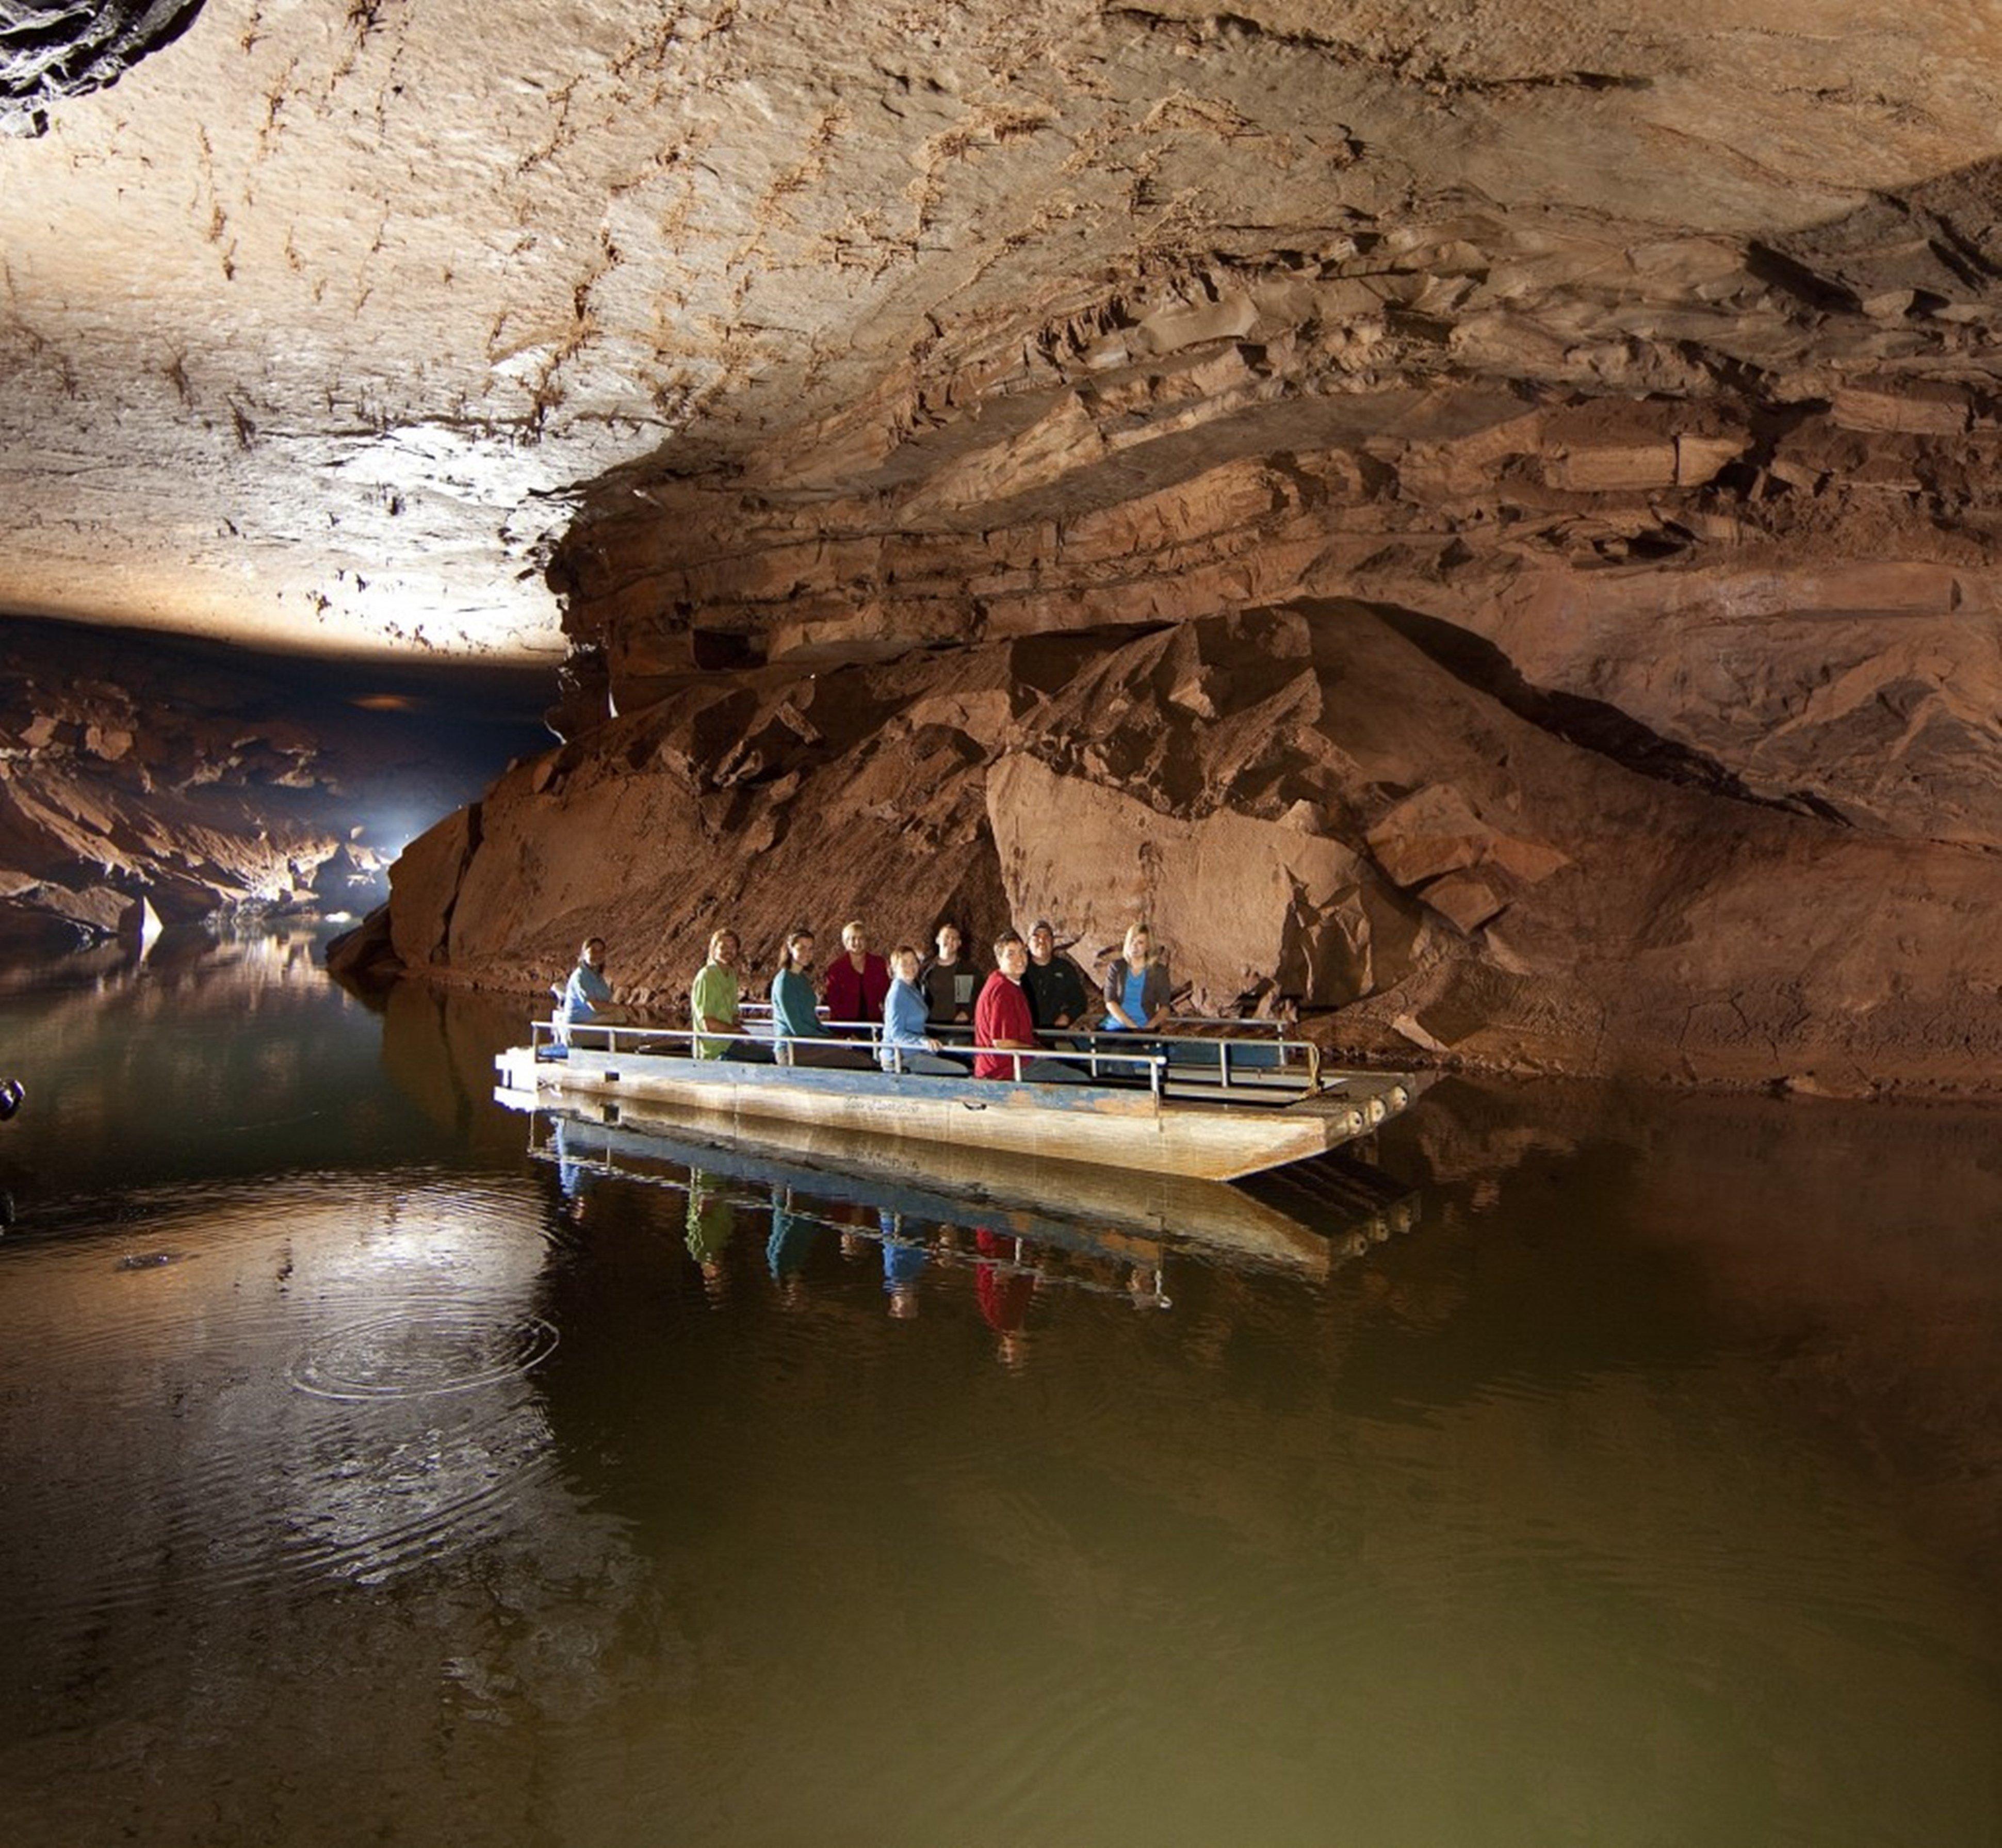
(181, 783)
(52, 49)
(1307, 805)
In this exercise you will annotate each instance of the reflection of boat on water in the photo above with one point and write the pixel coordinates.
(1320, 1211)
(1217, 1105)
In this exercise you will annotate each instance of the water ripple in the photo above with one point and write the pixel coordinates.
(418, 1347)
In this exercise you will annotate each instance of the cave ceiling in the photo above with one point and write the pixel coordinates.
(454, 327)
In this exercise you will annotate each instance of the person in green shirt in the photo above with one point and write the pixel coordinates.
(712, 1224)
(712, 1002)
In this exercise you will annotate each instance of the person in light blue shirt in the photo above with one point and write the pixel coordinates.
(906, 1046)
(587, 996)
(903, 1262)
(1137, 988)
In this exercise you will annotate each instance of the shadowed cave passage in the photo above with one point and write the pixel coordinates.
(203, 780)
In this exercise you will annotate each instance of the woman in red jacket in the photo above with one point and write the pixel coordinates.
(857, 981)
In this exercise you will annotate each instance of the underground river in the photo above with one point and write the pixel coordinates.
(369, 1473)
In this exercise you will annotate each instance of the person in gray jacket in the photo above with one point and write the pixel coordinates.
(1054, 984)
(1137, 990)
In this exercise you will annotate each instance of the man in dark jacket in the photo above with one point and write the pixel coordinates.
(1054, 984)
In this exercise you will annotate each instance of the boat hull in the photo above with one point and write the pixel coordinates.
(1090, 1124)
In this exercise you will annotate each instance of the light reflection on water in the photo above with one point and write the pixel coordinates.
(365, 1475)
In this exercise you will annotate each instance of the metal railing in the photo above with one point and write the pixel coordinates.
(594, 1036)
(1239, 1062)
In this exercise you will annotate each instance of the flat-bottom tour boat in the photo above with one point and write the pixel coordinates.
(1213, 1105)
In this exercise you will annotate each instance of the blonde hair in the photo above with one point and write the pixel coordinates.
(1126, 949)
(854, 927)
(902, 950)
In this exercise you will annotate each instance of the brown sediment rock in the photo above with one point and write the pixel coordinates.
(1339, 820)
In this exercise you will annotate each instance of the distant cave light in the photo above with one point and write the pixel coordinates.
(388, 702)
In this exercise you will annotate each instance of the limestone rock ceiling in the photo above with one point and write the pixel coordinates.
(841, 325)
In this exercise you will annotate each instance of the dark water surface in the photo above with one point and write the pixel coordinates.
(364, 1478)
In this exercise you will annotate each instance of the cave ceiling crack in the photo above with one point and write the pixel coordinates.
(1404, 66)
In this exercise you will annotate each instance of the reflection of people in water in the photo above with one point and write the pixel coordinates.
(1005, 1294)
(1147, 1287)
(903, 1259)
(573, 1176)
(853, 1244)
(13, 1094)
(787, 1249)
(712, 1224)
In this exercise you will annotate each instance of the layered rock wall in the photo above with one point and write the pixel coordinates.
(1307, 806)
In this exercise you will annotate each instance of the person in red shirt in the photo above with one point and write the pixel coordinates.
(857, 981)
(1003, 1026)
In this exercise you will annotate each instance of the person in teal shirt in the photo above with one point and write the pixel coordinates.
(795, 1011)
(795, 1008)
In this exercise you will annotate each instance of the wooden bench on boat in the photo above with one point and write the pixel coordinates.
(1217, 1106)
